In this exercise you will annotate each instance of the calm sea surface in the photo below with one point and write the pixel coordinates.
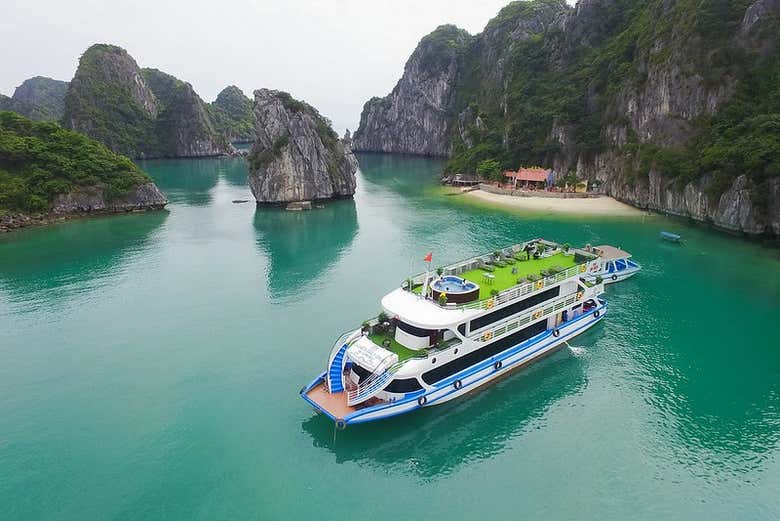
(150, 367)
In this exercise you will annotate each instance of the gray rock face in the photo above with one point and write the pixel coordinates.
(38, 98)
(734, 210)
(183, 126)
(297, 156)
(140, 113)
(89, 202)
(142, 197)
(414, 117)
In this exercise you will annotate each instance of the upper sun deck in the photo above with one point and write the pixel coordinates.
(502, 276)
(515, 270)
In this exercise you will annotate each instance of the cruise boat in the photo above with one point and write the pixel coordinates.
(444, 334)
(615, 265)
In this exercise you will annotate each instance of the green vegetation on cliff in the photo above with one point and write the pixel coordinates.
(41, 160)
(38, 98)
(579, 83)
(138, 112)
(232, 115)
(106, 102)
(440, 45)
(45, 95)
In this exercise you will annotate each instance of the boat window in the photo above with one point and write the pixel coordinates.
(517, 307)
(611, 267)
(620, 264)
(483, 353)
(462, 329)
(360, 371)
(632, 264)
(403, 385)
(413, 330)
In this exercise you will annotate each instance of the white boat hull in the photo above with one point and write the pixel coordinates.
(472, 378)
(610, 278)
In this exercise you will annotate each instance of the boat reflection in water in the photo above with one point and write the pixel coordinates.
(300, 246)
(434, 442)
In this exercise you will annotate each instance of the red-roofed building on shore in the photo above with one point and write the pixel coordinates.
(534, 178)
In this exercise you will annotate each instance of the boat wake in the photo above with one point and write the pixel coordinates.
(577, 350)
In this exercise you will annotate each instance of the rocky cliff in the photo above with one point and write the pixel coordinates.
(38, 98)
(297, 156)
(139, 113)
(414, 118)
(671, 105)
(233, 115)
(183, 125)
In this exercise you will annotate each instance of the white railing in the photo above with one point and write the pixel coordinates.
(372, 385)
(534, 314)
(345, 338)
(523, 289)
(475, 262)
(514, 292)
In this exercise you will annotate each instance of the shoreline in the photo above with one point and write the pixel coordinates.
(599, 206)
(17, 222)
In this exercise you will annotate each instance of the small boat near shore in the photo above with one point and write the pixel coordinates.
(444, 334)
(615, 265)
(671, 237)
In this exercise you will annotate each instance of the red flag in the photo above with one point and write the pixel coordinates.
(429, 257)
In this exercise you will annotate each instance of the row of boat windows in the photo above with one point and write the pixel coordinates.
(490, 318)
(414, 330)
(482, 354)
(517, 307)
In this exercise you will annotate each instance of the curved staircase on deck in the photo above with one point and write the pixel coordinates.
(336, 370)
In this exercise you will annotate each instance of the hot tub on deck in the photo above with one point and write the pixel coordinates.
(458, 290)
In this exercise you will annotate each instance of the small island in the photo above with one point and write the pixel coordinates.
(49, 174)
(297, 156)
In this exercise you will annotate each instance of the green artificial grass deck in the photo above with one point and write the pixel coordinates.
(403, 353)
(505, 279)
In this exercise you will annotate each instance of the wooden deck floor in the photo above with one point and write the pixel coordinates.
(335, 404)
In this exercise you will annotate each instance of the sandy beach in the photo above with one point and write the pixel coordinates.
(603, 205)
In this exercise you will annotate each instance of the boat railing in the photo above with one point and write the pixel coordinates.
(512, 293)
(345, 338)
(476, 261)
(375, 382)
(522, 289)
(537, 313)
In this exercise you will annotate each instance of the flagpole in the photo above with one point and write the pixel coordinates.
(425, 285)
(428, 259)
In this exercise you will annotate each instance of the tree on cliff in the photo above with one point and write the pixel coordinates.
(489, 169)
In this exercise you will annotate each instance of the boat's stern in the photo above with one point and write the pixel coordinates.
(332, 405)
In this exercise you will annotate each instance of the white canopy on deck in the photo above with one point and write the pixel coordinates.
(414, 310)
(368, 355)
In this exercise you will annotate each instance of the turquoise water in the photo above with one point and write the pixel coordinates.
(150, 367)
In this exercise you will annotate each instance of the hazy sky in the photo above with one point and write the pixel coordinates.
(334, 54)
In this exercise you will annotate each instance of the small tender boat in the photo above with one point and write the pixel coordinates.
(671, 237)
(442, 336)
(615, 265)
